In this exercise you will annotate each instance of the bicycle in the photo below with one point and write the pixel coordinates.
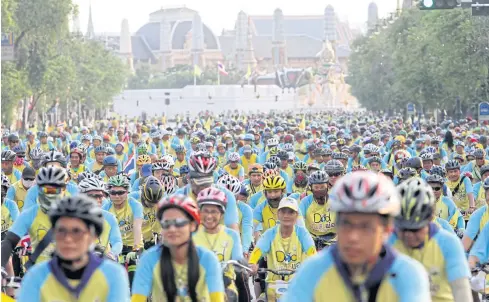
(479, 282)
(278, 287)
(10, 282)
(324, 241)
(229, 285)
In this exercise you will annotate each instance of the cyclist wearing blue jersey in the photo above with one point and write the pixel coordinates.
(440, 252)
(361, 267)
(177, 270)
(75, 273)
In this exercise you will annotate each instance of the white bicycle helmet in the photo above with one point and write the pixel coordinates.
(230, 182)
(51, 176)
(169, 183)
(233, 157)
(168, 159)
(91, 184)
(272, 142)
(365, 192)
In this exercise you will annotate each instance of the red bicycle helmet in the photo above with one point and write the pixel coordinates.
(202, 162)
(181, 202)
(212, 196)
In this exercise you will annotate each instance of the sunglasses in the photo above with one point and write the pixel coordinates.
(75, 233)
(117, 193)
(51, 190)
(29, 179)
(334, 174)
(409, 230)
(177, 223)
(436, 189)
(96, 196)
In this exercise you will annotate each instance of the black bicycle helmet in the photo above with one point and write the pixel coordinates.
(54, 156)
(435, 178)
(414, 162)
(318, 177)
(152, 190)
(406, 173)
(452, 165)
(81, 207)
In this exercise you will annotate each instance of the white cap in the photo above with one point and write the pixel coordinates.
(289, 202)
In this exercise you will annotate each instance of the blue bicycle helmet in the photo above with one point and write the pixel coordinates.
(110, 161)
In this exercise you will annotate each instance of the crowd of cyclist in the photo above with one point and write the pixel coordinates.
(341, 207)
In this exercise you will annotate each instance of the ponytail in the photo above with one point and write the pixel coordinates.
(167, 273)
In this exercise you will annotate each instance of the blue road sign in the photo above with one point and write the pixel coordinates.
(410, 108)
(484, 111)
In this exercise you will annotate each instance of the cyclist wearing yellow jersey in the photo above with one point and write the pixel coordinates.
(284, 164)
(445, 207)
(75, 273)
(440, 252)
(298, 182)
(233, 167)
(18, 191)
(76, 165)
(181, 160)
(34, 220)
(36, 159)
(98, 164)
(265, 214)
(361, 267)
(286, 245)
(20, 162)
(248, 159)
(110, 168)
(8, 158)
(461, 188)
(110, 241)
(151, 193)
(129, 214)
(319, 218)
(9, 212)
(255, 179)
(222, 241)
(335, 170)
(477, 220)
(177, 270)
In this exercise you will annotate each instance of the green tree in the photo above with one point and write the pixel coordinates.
(429, 58)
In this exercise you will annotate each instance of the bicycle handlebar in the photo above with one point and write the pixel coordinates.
(277, 272)
(235, 263)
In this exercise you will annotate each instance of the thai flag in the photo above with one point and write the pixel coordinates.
(130, 164)
(221, 68)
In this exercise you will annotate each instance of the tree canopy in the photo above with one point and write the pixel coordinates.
(427, 58)
(51, 64)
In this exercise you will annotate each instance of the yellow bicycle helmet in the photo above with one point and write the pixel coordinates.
(274, 183)
(143, 159)
(273, 151)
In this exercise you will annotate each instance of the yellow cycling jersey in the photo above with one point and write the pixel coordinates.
(319, 219)
(167, 146)
(247, 162)
(147, 281)
(283, 253)
(96, 166)
(235, 172)
(102, 280)
(6, 219)
(151, 225)
(289, 171)
(221, 160)
(443, 257)
(14, 176)
(179, 164)
(75, 171)
(253, 189)
(125, 216)
(461, 198)
(225, 244)
(20, 194)
(36, 223)
(44, 147)
(6, 298)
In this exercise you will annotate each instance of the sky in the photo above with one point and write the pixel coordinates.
(218, 14)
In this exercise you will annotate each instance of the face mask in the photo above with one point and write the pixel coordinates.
(320, 194)
(27, 183)
(300, 180)
(46, 200)
(19, 161)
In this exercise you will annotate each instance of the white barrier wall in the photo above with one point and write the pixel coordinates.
(193, 99)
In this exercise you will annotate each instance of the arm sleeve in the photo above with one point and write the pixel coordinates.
(137, 209)
(456, 265)
(31, 197)
(8, 245)
(237, 252)
(306, 240)
(262, 246)
(473, 225)
(115, 237)
(231, 214)
(246, 227)
(11, 193)
(468, 186)
(32, 283)
(13, 209)
(118, 287)
(241, 172)
(257, 215)
(481, 246)
(213, 275)
(143, 279)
